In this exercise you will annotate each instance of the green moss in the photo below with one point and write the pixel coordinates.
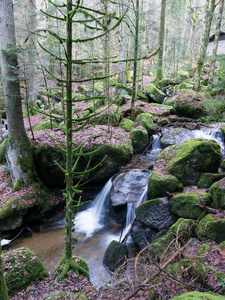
(183, 205)
(160, 184)
(153, 92)
(23, 268)
(211, 227)
(217, 191)
(129, 91)
(207, 179)
(2, 150)
(140, 138)
(127, 124)
(146, 120)
(45, 125)
(98, 86)
(198, 296)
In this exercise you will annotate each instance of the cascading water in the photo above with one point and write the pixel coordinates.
(89, 221)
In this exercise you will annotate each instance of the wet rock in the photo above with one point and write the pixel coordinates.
(140, 139)
(155, 94)
(146, 120)
(155, 213)
(115, 255)
(128, 187)
(142, 235)
(217, 191)
(174, 136)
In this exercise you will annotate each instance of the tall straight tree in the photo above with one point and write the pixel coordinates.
(159, 74)
(19, 154)
(209, 10)
(134, 87)
(216, 41)
(30, 69)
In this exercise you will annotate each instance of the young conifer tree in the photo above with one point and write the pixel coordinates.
(96, 21)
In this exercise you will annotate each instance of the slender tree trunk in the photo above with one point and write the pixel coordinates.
(209, 9)
(3, 287)
(106, 52)
(159, 74)
(31, 69)
(19, 152)
(123, 55)
(216, 41)
(134, 88)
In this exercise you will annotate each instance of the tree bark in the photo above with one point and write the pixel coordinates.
(209, 9)
(159, 74)
(30, 72)
(19, 154)
(216, 41)
(123, 54)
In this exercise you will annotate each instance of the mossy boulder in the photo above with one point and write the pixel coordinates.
(140, 139)
(3, 147)
(98, 86)
(182, 75)
(115, 255)
(184, 86)
(223, 164)
(198, 296)
(184, 204)
(124, 89)
(217, 191)
(185, 160)
(207, 179)
(155, 94)
(165, 82)
(159, 184)
(161, 110)
(212, 227)
(155, 213)
(146, 120)
(188, 103)
(45, 125)
(180, 231)
(22, 267)
(96, 103)
(127, 124)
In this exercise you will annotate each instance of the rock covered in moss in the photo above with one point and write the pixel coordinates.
(198, 296)
(107, 115)
(155, 94)
(207, 179)
(96, 103)
(140, 139)
(115, 255)
(185, 160)
(217, 191)
(180, 231)
(127, 124)
(159, 184)
(185, 86)
(212, 227)
(45, 125)
(155, 213)
(22, 267)
(146, 120)
(184, 204)
(188, 103)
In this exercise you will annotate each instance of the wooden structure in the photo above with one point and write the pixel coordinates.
(221, 44)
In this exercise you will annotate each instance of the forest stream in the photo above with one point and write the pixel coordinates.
(94, 227)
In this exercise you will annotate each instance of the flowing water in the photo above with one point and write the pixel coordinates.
(94, 228)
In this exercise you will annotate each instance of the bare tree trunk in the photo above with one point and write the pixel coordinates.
(159, 74)
(216, 41)
(19, 151)
(123, 54)
(31, 61)
(209, 9)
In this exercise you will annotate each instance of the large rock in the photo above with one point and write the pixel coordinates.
(174, 136)
(115, 255)
(187, 160)
(146, 120)
(155, 94)
(155, 213)
(207, 179)
(140, 139)
(124, 190)
(184, 204)
(115, 146)
(217, 191)
(142, 235)
(107, 115)
(22, 267)
(188, 103)
(159, 184)
(212, 227)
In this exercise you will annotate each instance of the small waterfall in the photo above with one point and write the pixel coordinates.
(89, 220)
(167, 93)
(156, 147)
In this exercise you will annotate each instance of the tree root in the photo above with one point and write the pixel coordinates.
(79, 267)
